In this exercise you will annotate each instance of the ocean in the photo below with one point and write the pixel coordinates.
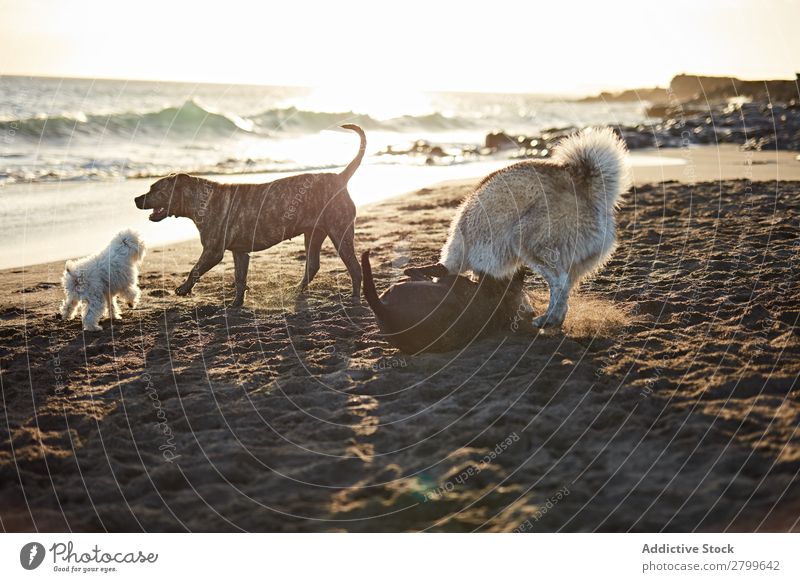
(74, 152)
(83, 129)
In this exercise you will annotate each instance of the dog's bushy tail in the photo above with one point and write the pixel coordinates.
(351, 168)
(599, 159)
(370, 293)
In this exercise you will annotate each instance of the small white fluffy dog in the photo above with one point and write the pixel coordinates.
(94, 283)
(557, 217)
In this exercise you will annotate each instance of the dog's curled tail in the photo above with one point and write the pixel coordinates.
(600, 158)
(351, 168)
(370, 293)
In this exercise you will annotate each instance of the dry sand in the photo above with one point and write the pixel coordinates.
(668, 402)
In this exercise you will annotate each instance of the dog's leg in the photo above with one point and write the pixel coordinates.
(69, 306)
(113, 308)
(518, 287)
(426, 272)
(241, 262)
(208, 259)
(313, 242)
(560, 287)
(95, 308)
(343, 241)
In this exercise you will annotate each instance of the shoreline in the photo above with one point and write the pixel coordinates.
(85, 226)
(666, 403)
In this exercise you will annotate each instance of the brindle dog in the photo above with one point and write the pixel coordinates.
(437, 315)
(245, 218)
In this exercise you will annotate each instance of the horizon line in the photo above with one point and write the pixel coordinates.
(578, 94)
(279, 85)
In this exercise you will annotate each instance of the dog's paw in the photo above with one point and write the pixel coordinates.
(183, 290)
(426, 272)
(93, 328)
(415, 274)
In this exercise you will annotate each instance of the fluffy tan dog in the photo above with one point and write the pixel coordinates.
(557, 217)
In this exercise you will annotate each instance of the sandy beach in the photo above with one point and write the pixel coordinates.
(667, 403)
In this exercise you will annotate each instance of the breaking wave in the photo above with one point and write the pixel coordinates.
(192, 119)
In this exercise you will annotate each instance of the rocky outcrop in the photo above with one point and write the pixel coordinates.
(700, 89)
(653, 95)
(685, 89)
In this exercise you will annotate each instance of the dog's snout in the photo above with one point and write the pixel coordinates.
(139, 201)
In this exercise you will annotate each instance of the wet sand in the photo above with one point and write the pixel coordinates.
(668, 402)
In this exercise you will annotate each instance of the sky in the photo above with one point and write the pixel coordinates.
(561, 46)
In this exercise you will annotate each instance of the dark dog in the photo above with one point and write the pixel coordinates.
(244, 218)
(427, 315)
